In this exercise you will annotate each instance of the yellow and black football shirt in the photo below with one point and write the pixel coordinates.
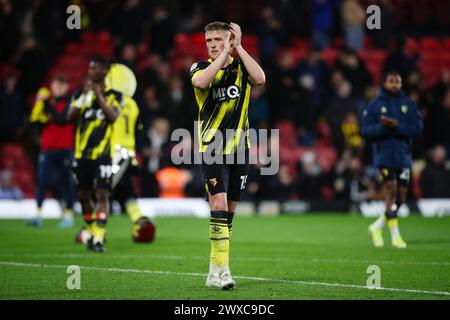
(127, 125)
(223, 105)
(94, 131)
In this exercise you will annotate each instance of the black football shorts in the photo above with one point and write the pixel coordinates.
(226, 177)
(93, 174)
(401, 175)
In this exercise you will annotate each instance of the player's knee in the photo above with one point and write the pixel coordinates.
(218, 203)
(102, 195)
(390, 185)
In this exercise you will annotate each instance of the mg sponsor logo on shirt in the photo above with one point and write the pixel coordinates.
(222, 93)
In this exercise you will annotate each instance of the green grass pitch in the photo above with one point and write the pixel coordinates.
(320, 256)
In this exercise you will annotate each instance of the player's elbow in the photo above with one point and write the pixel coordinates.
(259, 80)
(198, 83)
(113, 117)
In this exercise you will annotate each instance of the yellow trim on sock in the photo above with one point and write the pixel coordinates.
(392, 223)
(133, 210)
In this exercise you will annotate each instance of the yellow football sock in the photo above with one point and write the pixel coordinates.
(392, 223)
(393, 226)
(68, 214)
(99, 233)
(212, 255)
(220, 239)
(133, 210)
(91, 228)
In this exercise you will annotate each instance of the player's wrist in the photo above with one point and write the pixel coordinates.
(225, 53)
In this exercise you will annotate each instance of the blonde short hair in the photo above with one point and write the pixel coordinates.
(217, 26)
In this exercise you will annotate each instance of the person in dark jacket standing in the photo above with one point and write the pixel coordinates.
(57, 139)
(390, 122)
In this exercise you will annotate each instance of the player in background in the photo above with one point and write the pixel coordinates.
(125, 130)
(222, 90)
(390, 122)
(95, 109)
(50, 111)
(124, 166)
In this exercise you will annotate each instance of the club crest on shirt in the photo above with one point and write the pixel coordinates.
(194, 66)
(383, 109)
(404, 108)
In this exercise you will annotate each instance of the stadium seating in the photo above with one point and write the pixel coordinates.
(434, 52)
(74, 60)
(434, 56)
(14, 158)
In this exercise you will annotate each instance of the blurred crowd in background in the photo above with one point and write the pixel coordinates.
(322, 67)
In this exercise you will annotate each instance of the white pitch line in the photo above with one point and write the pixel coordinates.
(313, 283)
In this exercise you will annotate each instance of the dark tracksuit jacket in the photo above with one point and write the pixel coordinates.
(391, 146)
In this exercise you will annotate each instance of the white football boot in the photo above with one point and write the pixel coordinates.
(226, 280)
(213, 279)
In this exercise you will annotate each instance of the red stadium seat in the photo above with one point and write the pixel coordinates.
(446, 43)
(429, 44)
(198, 38)
(14, 151)
(72, 49)
(301, 43)
(104, 37)
(88, 37)
(412, 45)
(14, 158)
(250, 41)
(329, 55)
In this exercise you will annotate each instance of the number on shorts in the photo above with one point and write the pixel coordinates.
(404, 175)
(243, 182)
(105, 171)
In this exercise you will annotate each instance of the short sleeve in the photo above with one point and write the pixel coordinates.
(117, 100)
(75, 99)
(197, 68)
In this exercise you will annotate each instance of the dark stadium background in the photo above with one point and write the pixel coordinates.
(315, 91)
